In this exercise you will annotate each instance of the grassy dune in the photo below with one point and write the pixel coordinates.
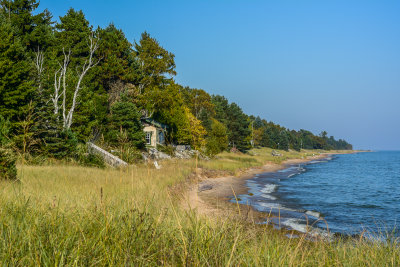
(257, 157)
(71, 215)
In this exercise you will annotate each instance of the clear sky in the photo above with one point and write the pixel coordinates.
(316, 65)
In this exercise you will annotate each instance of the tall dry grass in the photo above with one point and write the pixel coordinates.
(71, 215)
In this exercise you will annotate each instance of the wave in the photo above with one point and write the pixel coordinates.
(270, 205)
(318, 161)
(277, 206)
(269, 188)
(301, 226)
(314, 214)
(296, 224)
(268, 196)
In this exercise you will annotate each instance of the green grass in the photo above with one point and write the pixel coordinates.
(234, 163)
(71, 215)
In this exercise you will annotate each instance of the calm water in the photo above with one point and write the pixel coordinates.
(351, 192)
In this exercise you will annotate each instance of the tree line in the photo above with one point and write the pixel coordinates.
(65, 82)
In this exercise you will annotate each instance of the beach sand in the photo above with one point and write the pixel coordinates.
(209, 193)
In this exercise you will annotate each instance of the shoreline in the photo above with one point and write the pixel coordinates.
(210, 196)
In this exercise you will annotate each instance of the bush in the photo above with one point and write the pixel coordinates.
(86, 159)
(61, 145)
(128, 153)
(169, 150)
(125, 125)
(8, 169)
(93, 161)
(217, 140)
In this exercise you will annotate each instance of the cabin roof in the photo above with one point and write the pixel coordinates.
(154, 123)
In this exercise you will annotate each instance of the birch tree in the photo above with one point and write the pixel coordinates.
(61, 87)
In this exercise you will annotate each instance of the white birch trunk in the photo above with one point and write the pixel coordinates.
(61, 87)
(39, 60)
(93, 46)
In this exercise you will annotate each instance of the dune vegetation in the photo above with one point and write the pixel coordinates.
(65, 214)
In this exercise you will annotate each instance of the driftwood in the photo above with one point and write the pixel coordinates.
(108, 157)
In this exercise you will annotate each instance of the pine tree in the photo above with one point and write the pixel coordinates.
(156, 62)
(117, 58)
(34, 30)
(55, 142)
(16, 88)
(124, 121)
(235, 120)
(73, 35)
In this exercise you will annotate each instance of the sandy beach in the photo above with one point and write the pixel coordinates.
(209, 194)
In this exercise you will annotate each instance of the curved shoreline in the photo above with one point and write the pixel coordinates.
(211, 196)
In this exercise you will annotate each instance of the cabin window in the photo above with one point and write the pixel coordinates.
(160, 137)
(148, 138)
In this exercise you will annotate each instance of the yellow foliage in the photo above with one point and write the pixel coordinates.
(196, 130)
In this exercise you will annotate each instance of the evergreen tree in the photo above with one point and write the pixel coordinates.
(34, 30)
(283, 141)
(73, 36)
(236, 122)
(118, 58)
(155, 62)
(72, 33)
(19, 14)
(124, 122)
(16, 88)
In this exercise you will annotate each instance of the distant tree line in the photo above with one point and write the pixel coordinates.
(64, 83)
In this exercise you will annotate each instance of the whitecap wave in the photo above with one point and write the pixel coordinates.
(276, 206)
(296, 224)
(314, 214)
(268, 196)
(301, 226)
(269, 188)
(271, 205)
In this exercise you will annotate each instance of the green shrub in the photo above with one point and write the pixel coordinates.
(169, 150)
(61, 145)
(8, 169)
(93, 161)
(86, 159)
(217, 140)
(128, 153)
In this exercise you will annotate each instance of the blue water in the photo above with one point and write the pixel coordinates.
(352, 193)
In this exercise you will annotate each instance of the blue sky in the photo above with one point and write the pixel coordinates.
(316, 65)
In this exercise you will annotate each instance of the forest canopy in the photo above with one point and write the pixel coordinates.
(64, 82)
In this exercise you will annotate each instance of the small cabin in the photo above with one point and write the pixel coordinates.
(154, 132)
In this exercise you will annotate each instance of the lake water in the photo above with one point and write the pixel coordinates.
(352, 193)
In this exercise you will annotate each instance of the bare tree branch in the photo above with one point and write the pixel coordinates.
(93, 46)
(39, 59)
(64, 93)
(61, 86)
(59, 76)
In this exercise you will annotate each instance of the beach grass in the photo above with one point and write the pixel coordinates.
(72, 215)
(236, 162)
